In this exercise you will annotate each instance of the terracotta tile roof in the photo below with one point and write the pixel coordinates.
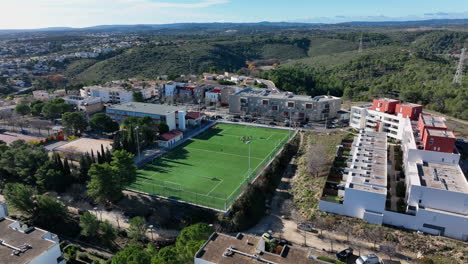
(170, 135)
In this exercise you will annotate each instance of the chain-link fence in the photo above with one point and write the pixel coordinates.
(213, 200)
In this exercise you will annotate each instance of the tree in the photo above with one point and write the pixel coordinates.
(55, 108)
(20, 197)
(137, 229)
(316, 161)
(108, 233)
(103, 123)
(49, 211)
(190, 240)
(36, 108)
(125, 171)
(74, 122)
(23, 109)
(102, 186)
(134, 254)
(21, 161)
(163, 128)
(49, 178)
(373, 233)
(167, 255)
(89, 224)
(138, 97)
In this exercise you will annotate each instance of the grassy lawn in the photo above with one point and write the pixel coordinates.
(210, 168)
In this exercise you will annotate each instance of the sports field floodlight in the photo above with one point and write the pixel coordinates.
(138, 143)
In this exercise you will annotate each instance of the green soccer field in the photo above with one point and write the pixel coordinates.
(209, 169)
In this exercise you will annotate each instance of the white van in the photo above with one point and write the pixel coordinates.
(368, 259)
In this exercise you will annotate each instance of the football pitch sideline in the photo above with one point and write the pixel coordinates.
(210, 169)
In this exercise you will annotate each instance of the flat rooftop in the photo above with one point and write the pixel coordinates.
(440, 133)
(367, 168)
(442, 176)
(433, 121)
(17, 239)
(384, 99)
(410, 104)
(264, 93)
(155, 109)
(217, 250)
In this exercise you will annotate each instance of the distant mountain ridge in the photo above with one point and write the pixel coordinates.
(227, 25)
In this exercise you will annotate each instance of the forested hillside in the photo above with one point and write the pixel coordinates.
(196, 56)
(416, 66)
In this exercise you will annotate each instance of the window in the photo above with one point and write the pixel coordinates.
(290, 104)
(431, 141)
(379, 104)
(308, 106)
(265, 102)
(301, 115)
(274, 107)
(401, 109)
(285, 113)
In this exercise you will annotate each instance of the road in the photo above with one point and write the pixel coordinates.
(278, 223)
(271, 85)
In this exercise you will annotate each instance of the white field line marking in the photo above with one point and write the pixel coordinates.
(216, 186)
(256, 167)
(223, 153)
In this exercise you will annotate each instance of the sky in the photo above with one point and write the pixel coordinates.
(26, 14)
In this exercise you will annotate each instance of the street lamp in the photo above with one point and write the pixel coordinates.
(138, 143)
(249, 143)
(151, 231)
(97, 210)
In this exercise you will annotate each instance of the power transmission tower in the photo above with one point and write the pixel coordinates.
(360, 45)
(458, 74)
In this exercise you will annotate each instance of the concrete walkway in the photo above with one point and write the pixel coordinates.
(392, 176)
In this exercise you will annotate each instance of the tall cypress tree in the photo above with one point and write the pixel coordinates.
(108, 156)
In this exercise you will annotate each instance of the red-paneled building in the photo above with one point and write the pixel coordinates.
(409, 110)
(438, 140)
(430, 122)
(384, 105)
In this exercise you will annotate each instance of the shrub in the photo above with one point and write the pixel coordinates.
(400, 189)
(327, 259)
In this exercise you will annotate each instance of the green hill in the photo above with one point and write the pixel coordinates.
(192, 57)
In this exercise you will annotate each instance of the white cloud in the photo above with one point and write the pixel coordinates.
(81, 13)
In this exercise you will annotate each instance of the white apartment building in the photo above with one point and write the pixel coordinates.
(115, 95)
(363, 190)
(20, 244)
(384, 115)
(436, 189)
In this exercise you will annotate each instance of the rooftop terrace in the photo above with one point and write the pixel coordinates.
(156, 109)
(433, 121)
(13, 236)
(246, 249)
(442, 176)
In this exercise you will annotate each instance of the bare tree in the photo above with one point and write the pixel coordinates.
(319, 223)
(317, 159)
(389, 249)
(346, 228)
(374, 234)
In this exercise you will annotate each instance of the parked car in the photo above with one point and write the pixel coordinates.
(219, 117)
(258, 122)
(344, 254)
(272, 124)
(305, 227)
(368, 259)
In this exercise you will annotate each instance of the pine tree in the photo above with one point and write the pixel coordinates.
(99, 157)
(92, 156)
